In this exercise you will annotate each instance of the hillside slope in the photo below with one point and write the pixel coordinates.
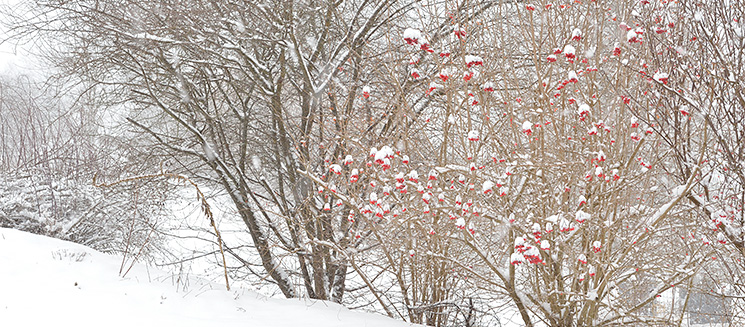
(45, 281)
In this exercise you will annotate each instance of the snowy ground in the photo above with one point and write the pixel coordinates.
(45, 281)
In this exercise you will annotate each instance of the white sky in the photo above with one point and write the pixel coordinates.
(11, 60)
(14, 58)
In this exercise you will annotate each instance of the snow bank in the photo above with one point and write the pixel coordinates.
(45, 281)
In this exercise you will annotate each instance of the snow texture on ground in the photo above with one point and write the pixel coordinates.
(49, 282)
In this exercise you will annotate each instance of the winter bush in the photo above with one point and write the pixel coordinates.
(114, 221)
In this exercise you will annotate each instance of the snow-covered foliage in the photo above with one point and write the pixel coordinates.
(79, 212)
(44, 206)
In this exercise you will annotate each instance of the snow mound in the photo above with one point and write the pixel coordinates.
(45, 281)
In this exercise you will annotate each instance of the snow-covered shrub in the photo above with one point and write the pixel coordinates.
(44, 206)
(115, 221)
(559, 115)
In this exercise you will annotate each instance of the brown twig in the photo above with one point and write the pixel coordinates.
(200, 196)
